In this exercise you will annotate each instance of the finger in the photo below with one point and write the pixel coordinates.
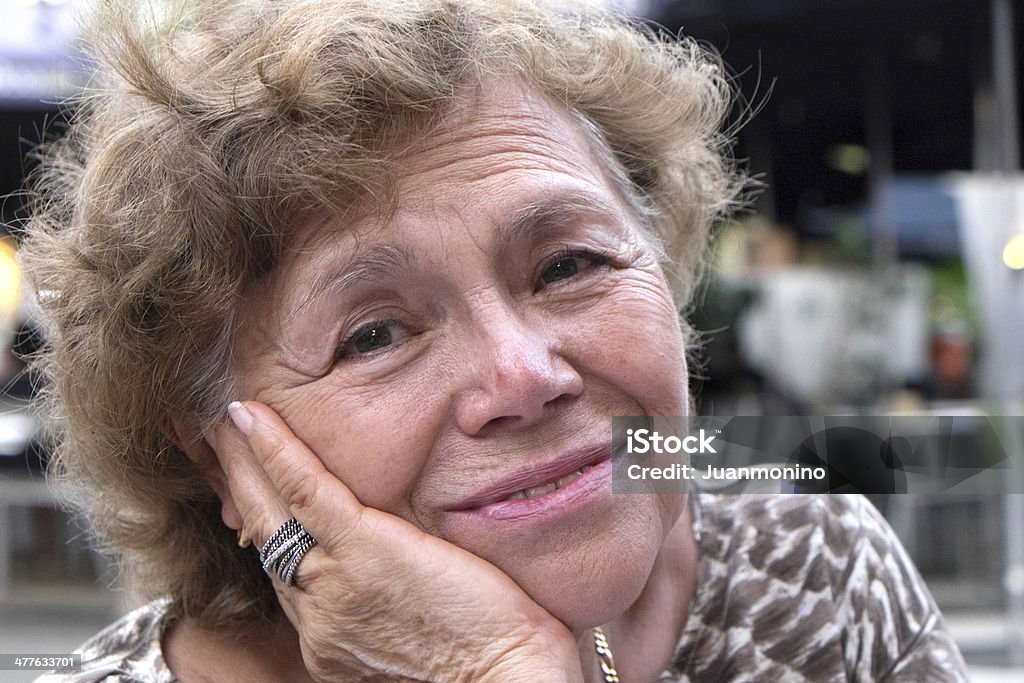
(314, 496)
(258, 502)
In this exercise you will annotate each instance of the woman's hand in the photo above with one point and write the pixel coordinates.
(378, 598)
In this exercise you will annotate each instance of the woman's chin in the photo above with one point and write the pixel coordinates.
(581, 603)
(593, 583)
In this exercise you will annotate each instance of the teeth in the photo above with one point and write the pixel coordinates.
(535, 491)
(567, 478)
(540, 490)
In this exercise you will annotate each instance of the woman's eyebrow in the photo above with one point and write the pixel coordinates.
(553, 210)
(376, 263)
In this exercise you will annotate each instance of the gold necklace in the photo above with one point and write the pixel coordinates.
(604, 656)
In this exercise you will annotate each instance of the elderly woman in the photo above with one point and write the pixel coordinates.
(343, 298)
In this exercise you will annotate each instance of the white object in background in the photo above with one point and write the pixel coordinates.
(831, 336)
(991, 212)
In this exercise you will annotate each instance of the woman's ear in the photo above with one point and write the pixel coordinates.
(199, 448)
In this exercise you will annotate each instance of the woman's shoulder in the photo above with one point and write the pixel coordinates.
(832, 546)
(842, 518)
(127, 651)
(817, 582)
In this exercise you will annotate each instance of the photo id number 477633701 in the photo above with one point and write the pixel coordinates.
(38, 662)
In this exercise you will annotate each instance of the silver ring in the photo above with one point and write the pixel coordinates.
(284, 550)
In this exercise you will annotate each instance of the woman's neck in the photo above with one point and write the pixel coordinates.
(644, 639)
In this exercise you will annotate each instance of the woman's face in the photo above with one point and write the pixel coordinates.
(452, 360)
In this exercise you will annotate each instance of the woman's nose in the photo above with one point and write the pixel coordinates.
(515, 375)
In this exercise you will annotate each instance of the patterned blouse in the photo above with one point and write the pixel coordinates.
(790, 588)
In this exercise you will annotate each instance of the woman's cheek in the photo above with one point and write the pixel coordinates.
(375, 441)
(633, 341)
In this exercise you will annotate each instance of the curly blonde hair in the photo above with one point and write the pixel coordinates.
(206, 136)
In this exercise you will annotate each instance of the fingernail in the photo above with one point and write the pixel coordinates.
(241, 416)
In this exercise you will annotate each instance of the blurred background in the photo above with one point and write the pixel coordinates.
(879, 270)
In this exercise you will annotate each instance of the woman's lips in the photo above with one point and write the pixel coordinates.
(554, 485)
(535, 491)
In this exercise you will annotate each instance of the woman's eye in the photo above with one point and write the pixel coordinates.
(370, 338)
(569, 264)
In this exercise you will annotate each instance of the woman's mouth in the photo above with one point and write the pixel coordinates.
(537, 491)
(554, 487)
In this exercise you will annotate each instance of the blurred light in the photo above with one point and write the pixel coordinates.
(16, 431)
(40, 58)
(10, 278)
(852, 159)
(1013, 253)
(29, 81)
